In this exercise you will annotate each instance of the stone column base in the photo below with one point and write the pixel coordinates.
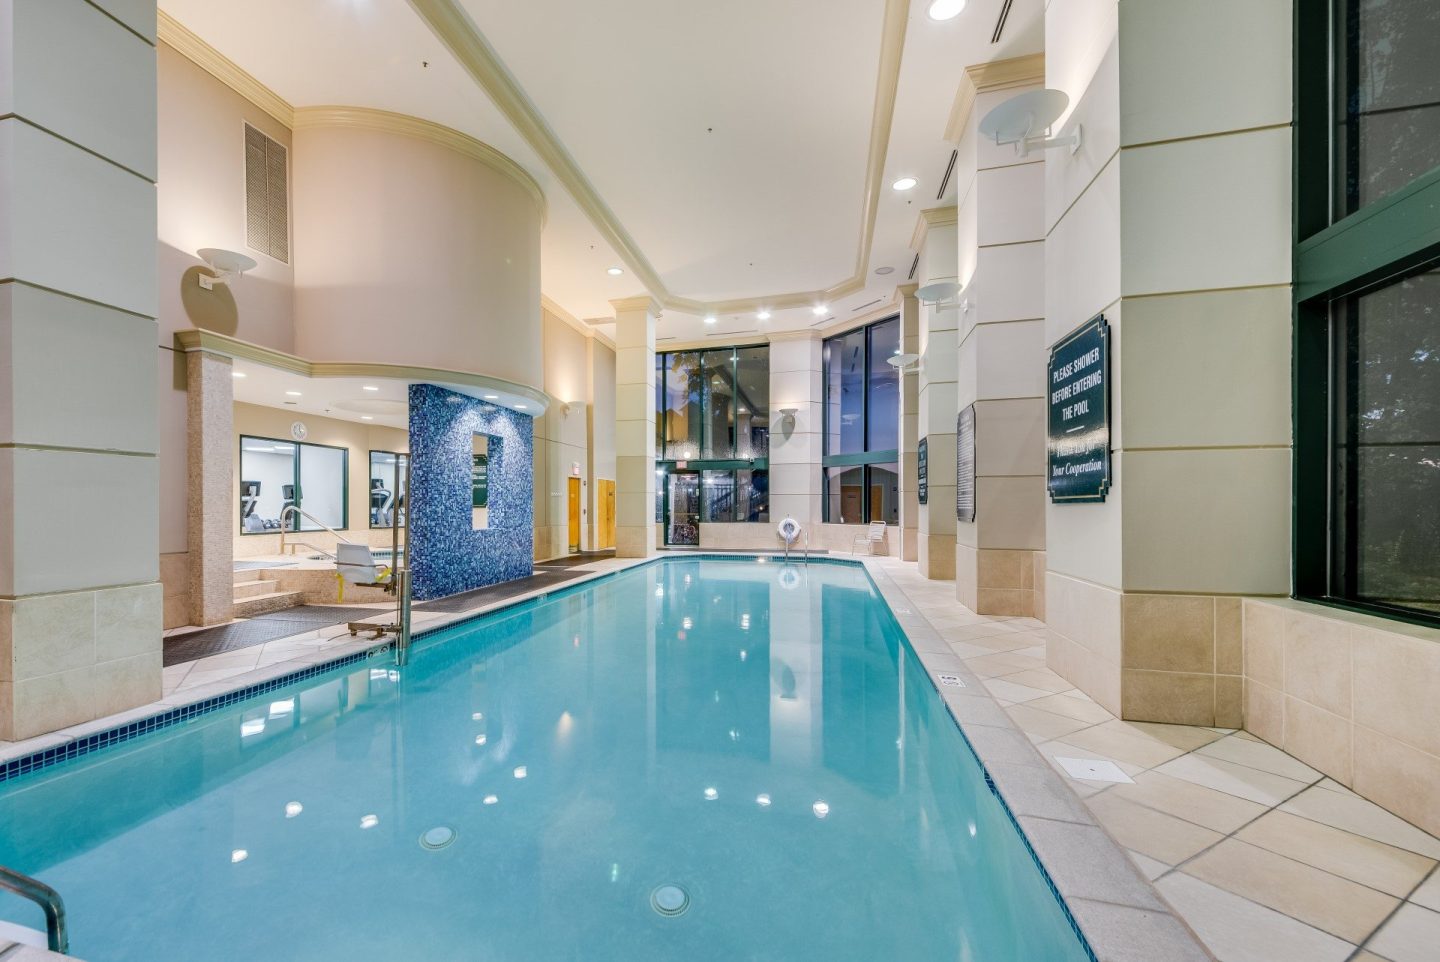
(997, 581)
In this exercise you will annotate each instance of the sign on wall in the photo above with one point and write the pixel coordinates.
(965, 465)
(922, 470)
(480, 480)
(1078, 435)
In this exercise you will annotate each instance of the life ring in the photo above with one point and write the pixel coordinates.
(788, 530)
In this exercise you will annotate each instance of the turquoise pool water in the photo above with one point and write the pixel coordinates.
(759, 736)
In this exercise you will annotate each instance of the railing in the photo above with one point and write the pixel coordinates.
(45, 897)
(301, 514)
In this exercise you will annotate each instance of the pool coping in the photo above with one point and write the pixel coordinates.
(1117, 913)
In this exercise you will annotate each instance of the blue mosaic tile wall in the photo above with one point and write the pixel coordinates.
(446, 555)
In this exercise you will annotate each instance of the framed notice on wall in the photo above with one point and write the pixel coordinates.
(922, 470)
(1078, 418)
(480, 481)
(965, 465)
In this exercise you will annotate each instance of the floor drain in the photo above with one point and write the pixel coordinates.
(437, 837)
(670, 900)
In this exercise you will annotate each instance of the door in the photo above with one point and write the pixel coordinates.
(682, 508)
(574, 514)
(607, 514)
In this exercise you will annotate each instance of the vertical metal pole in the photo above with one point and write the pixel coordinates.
(402, 572)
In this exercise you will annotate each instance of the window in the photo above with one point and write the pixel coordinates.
(387, 488)
(278, 475)
(267, 198)
(860, 477)
(712, 437)
(1367, 306)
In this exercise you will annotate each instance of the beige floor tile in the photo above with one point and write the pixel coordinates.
(1149, 867)
(997, 663)
(1355, 814)
(1149, 832)
(1011, 692)
(1065, 748)
(1428, 894)
(1125, 747)
(1215, 810)
(1267, 758)
(1355, 857)
(1238, 780)
(967, 651)
(1044, 724)
(197, 677)
(1185, 737)
(1239, 930)
(1317, 898)
(1040, 677)
(1081, 709)
(1413, 935)
(1366, 957)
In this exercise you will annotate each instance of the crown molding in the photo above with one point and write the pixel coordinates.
(369, 118)
(907, 290)
(209, 342)
(981, 78)
(932, 217)
(889, 308)
(580, 326)
(454, 28)
(644, 302)
(176, 35)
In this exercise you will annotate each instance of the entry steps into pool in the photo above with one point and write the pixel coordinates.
(259, 596)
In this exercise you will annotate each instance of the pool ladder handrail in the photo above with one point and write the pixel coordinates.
(289, 509)
(45, 897)
(806, 532)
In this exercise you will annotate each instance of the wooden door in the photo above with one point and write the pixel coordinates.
(607, 514)
(574, 514)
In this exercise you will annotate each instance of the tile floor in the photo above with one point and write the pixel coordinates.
(1266, 859)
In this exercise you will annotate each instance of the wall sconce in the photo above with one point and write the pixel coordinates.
(223, 265)
(1025, 120)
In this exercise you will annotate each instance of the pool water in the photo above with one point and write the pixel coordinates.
(538, 784)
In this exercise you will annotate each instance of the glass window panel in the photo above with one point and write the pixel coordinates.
(322, 486)
(1387, 97)
(752, 410)
(883, 493)
(683, 422)
(845, 495)
(1386, 485)
(387, 489)
(660, 405)
(717, 497)
(718, 389)
(752, 496)
(267, 483)
(882, 399)
(845, 393)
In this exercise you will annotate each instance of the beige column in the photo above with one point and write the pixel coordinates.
(909, 425)
(210, 488)
(635, 426)
(80, 601)
(796, 443)
(1002, 350)
(935, 241)
(1173, 219)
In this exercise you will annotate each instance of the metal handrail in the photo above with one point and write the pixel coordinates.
(45, 897)
(288, 509)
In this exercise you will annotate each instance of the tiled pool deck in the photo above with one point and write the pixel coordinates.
(1260, 856)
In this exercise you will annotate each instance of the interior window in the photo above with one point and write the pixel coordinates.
(289, 485)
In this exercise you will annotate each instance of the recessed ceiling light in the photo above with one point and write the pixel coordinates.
(292, 393)
(904, 183)
(614, 272)
(710, 319)
(884, 270)
(237, 373)
(946, 9)
(762, 315)
(370, 387)
(366, 417)
(819, 310)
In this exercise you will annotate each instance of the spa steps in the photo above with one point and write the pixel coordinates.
(256, 596)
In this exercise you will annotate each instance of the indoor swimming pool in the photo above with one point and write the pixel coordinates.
(708, 759)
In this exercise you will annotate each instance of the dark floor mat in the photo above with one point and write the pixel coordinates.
(256, 631)
(572, 560)
(508, 589)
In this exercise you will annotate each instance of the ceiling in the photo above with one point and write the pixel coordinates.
(729, 142)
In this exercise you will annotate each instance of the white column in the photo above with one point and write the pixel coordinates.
(936, 244)
(635, 426)
(909, 425)
(795, 444)
(80, 600)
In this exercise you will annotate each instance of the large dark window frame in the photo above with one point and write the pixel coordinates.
(863, 459)
(299, 447)
(1382, 242)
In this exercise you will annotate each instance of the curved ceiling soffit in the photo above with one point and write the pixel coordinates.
(458, 33)
(369, 118)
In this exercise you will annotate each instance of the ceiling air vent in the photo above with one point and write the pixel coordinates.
(863, 306)
(1000, 23)
(267, 196)
(949, 170)
(914, 266)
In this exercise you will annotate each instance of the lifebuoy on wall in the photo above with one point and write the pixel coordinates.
(788, 530)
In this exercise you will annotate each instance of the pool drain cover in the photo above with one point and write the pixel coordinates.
(670, 900)
(437, 837)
